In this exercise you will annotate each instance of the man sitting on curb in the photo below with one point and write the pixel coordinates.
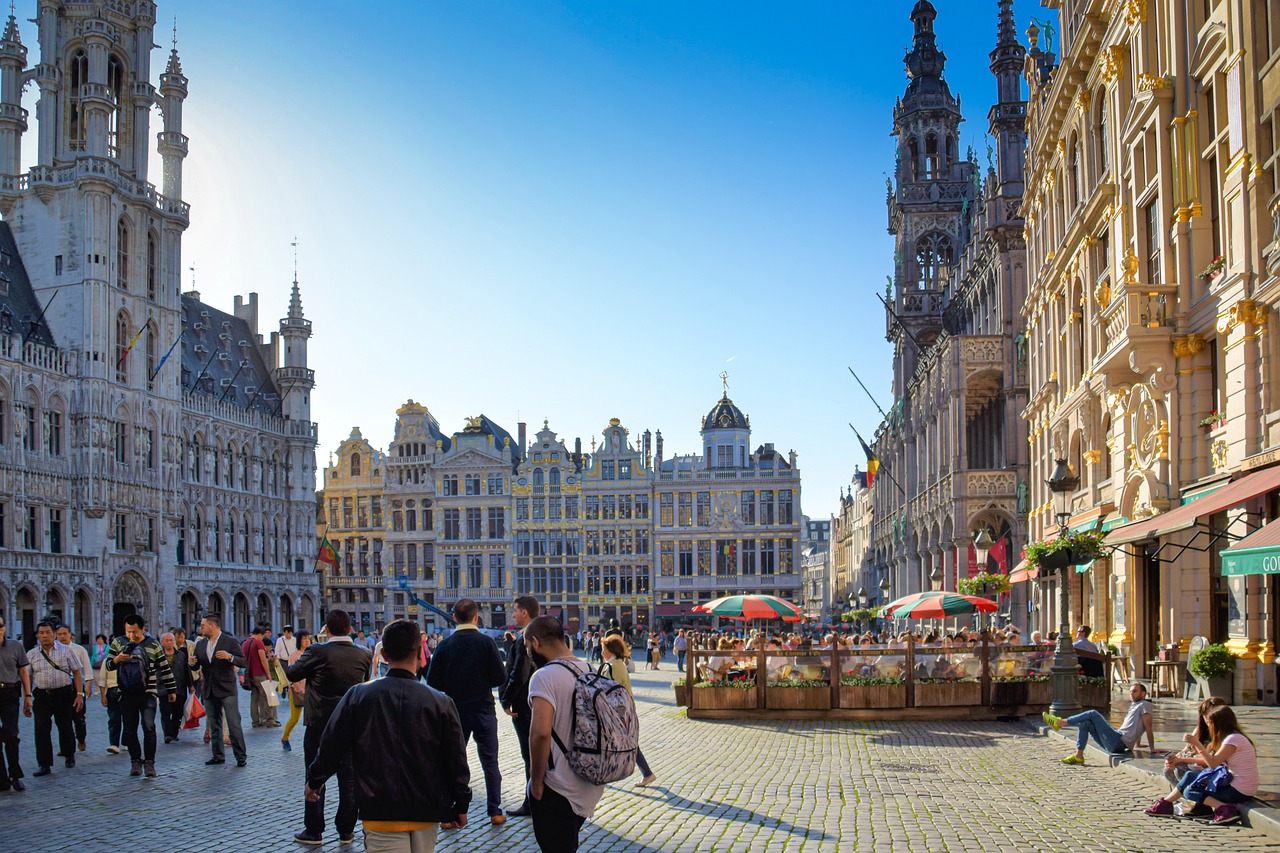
(1136, 721)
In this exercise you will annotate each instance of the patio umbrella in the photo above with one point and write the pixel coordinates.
(934, 605)
(752, 607)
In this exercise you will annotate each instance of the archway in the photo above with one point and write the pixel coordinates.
(286, 610)
(26, 611)
(83, 616)
(129, 596)
(55, 606)
(263, 614)
(306, 613)
(241, 615)
(217, 608)
(188, 612)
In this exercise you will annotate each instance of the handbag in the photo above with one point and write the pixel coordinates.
(193, 713)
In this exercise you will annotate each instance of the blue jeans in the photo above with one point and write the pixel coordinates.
(1093, 723)
(485, 728)
(1224, 794)
(680, 654)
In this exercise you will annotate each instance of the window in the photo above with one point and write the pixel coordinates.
(472, 484)
(121, 531)
(538, 480)
(151, 357)
(495, 484)
(642, 541)
(642, 506)
(606, 469)
(748, 556)
(767, 557)
(362, 514)
(118, 439)
(786, 557)
(57, 264)
(933, 256)
(31, 535)
(785, 515)
(411, 520)
(553, 481)
(766, 507)
(724, 457)
(397, 558)
(666, 513)
(148, 450)
(55, 531)
(593, 544)
(497, 571)
(553, 509)
(355, 464)
(452, 524)
(685, 556)
(609, 507)
(704, 557)
(153, 266)
(592, 506)
(347, 518)
(685, 517)
(748, 509)
(704, 509)
(397, 520)
(726, 557)
(452, 570)
(522, 509)
(497, 522)
(624, 469)
(449, 485)
(571, 507)
(475, 519)
(609, 542)
(411, 561)
(27, 427)
(375, 509)
(539, 509)
(151, 534)
(122, 347)
(4, 528)
(78, 74)
(667, 559)
(475, 570)
(122, 254)
(1152, 216)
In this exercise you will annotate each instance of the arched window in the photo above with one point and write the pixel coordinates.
(217, 536)
(115, 80)
(913, 158)
(951, 152)
(122, 254)
(275, 542)
(355, 464)
(197, 535)
(151, 356)
(411, 519)
(1103, 143)
(231, 536)
(554, 479)
(931, 161)
(244, 468)
(77, 75)
(153, 265)
(1073, 164)
(217, 462)
(122, 347)
(537, 479)
(933, 255)
(245, 553)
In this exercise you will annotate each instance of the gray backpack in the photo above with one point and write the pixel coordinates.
(605, 729)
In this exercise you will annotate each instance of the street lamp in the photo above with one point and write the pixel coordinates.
(981, 547)
(935, 579)
(1066, 666)
(884, 594)
(863, 598)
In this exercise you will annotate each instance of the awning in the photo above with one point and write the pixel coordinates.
(1256, 554)
(1182, 517)
(1023, 572)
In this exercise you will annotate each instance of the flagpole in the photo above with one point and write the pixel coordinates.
(324, 537)
(881, 467)
(168, 353)
(39, 321)
(868, 393)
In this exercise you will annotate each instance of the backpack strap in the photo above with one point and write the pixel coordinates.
(555, 737)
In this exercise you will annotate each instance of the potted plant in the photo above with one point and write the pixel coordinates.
(1073, 548)
(984, 583)
(1020, 690)
(723, 695)
(1214, 268)
(682, 692)
(873, 691)
(1214, 668)
(798, 694)
(1094, 692)
(1213, 420)
(947, 692)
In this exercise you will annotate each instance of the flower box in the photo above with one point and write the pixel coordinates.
(946, 694)
(724, 698)
(682, 694)
(798, 698)
(1022, 691)
(873, 696)
(1094, 693)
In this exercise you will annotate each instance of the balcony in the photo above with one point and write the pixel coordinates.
(1137, 327)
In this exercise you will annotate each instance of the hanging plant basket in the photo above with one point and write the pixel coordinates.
(1072, 549)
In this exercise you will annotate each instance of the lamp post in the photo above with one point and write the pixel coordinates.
(861, 596)
(884, 592)
(981, 548)
(1066, 666)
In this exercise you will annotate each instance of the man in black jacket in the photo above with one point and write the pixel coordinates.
(330, 669)
(217, 655)
(407, 749)
(466, 667)
(514, 695)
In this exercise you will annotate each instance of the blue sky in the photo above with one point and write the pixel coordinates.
(564, 210)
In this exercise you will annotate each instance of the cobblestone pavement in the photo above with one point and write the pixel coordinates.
(723, 786)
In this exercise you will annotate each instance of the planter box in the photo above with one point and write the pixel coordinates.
(1094, 695)
(1010, 693)
(682, 694)
(948, 694)
(873, 696)
(723, 698)
(1057, 560)
(798, 698)
(1222, 686)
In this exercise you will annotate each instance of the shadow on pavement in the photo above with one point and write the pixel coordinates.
(730, 811)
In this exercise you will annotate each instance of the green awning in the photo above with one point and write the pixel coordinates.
(1117, 521)
(1256, 554)
(1204, 492)
(1084, 567)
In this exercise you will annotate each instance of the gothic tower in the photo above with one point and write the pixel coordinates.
(1008, 117)
(295, 381)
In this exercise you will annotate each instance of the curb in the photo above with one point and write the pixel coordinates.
(1264, 818)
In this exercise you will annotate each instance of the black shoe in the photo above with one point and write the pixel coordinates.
(168, 739)
(349, 838)
(241, 762)
(135, 768)
(523, 811)
(309, 837)
(44, 770)
(71, 761)
(18, 787)
(149, 768)
(216, 760)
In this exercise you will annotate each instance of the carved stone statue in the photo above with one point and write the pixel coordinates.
(1021, 494)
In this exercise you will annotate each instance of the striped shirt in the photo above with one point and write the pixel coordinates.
(44, 676)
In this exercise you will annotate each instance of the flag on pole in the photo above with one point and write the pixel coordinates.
(1000, 552)
(165, 357)
(873, 461)
(127, 349)
(328, 554)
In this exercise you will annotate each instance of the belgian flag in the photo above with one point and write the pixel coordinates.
(873, 461)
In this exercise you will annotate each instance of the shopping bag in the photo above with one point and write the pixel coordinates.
(269, 688)
(192, 712)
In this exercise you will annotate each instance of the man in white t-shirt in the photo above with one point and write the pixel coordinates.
(1137, 721)
(560, 799)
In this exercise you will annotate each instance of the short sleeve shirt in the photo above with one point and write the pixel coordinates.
(554, 683)
(12, 658)
(1131, 729)
(1243, 764)
(251, 647)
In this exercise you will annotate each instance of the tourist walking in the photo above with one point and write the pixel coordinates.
(615, 668)
(561, 799)
(261, 712)
(63, 635)
(58, 692)
(330, 669)
(109, 691)
(183, 685)
(143, 678)
(681, 645)
(514, 695)
(466, 667)
(217, 655)
(297, 690)
(405, 746)
(15, 685)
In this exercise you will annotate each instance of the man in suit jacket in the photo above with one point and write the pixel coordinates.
(514, 695)
(217, 655)
(331, 669)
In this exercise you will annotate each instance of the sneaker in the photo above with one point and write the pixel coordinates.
(1160, 808)
(284, 744)
(1051, 721)
(135, 768)
(149, 768)
(1073, 759)
(647, 781)
(1224, 815)
(114, 750)
(308, 837)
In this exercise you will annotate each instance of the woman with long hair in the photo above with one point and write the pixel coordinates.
(297, 690)
(615, 653)
(1230, 777)
(1177, 764)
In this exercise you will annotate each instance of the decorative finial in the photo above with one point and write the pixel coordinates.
(175, 31)
(724, 380)
(294, 244)
(193, 276)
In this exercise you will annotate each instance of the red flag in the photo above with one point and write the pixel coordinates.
(1000, 551)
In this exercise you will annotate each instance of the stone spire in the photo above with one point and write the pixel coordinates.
(924, 62)
(295, 298)
(11, 34)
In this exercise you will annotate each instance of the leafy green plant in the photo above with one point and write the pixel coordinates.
(984, 583)
(1213, 419)
(1084, 547)
(871, 681)
(799, 682)
(1217, 264)
(679, 682)
(1213, 661)
(1110, 648)
(1091, 680)
(741, 684)
(946, 681)
(1018, 679)
(861, 614)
